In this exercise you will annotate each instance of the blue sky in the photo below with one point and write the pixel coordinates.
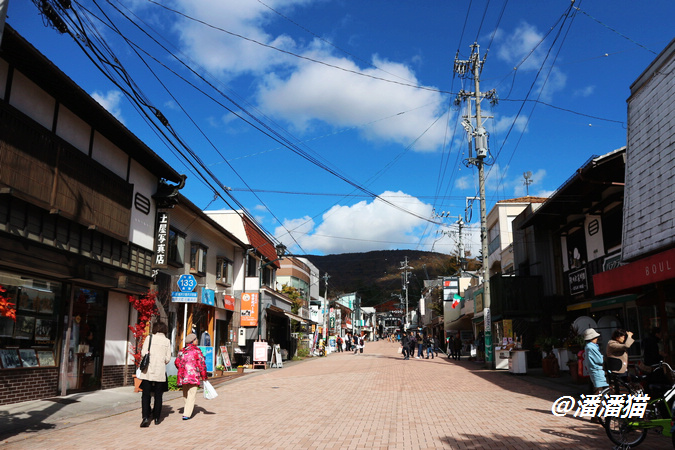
(333, 122)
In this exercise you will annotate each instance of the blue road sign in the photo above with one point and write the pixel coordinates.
(187, 283)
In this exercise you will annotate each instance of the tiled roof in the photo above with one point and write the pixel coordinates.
(259, 241)
(527, 199)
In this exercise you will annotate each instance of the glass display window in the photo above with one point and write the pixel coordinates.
(31, 340)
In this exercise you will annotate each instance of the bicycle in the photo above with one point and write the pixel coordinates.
(630, 432)
(618, 384)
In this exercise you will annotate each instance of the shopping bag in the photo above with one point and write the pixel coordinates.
(209, 391)
(400, 349)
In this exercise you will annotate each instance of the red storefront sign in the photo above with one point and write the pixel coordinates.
(228, 302)
(659, 267)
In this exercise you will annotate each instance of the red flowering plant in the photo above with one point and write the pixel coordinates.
(146, 306)
(7, 309)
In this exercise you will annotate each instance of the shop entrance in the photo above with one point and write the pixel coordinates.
(87, 339)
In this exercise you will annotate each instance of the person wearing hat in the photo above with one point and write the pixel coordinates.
(191, 372)
(593, 360)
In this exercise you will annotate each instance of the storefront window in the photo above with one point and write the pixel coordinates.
(86, 340)
(31, 340)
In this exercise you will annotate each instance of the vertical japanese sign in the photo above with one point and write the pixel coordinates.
(249, 309)
(161, 240)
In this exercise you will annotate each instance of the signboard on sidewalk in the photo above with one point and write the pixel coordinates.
(225, 357)
(260, 352)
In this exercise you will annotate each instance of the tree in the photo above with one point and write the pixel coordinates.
(295, 296)
(7, 309)
(146, 305)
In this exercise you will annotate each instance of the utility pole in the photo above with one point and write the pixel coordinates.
(325, 306)
(460, 245)
(405, 267)
(473, 66)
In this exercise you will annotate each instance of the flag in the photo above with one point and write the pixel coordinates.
(455, 300)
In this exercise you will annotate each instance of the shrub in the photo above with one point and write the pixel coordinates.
(172, 383)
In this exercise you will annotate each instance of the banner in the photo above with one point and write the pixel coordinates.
(249, 310)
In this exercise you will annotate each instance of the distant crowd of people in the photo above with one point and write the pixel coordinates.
(412, 341)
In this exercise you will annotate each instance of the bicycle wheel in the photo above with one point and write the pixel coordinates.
(619, 432)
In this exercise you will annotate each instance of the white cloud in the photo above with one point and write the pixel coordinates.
(111, 101)
(523, 49)
(316, 92)
(305, 93)
(364, 226)
(585, 92)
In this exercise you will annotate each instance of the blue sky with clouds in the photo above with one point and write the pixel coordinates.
(334, 122)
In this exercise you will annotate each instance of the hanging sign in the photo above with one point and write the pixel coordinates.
(249, 309)
(161, 240)
(208, 357)
(209, 297)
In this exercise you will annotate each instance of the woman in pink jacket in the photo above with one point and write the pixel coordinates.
(191, 372)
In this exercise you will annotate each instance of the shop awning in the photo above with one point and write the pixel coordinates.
(295, 317)
(599, 302)
(655, 268)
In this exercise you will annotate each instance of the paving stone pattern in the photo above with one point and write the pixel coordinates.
(346, 401)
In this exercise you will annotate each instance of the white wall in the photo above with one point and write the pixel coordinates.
(110, 156)
(116, 329)
(72, 129)
(27, 97)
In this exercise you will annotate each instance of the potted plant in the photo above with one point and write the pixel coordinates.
(219, 369)
(575, 344)
(549, 362)
(240, 369)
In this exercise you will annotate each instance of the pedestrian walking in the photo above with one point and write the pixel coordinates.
(458, 347)
(339, 343)
(348, 341)
(405, 351)
(451, 347)
(411, 343)
(420, 345)
(154, 382)
(191, 371)
(430, 346)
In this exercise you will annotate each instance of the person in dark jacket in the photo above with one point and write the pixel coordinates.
(404, 346)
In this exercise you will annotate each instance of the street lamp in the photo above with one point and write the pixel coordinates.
(281, 252)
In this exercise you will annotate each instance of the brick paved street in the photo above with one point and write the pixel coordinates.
(371, 400)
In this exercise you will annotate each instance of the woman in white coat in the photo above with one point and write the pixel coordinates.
(154, 382)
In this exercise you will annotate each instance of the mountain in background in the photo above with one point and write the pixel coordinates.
(377, 275)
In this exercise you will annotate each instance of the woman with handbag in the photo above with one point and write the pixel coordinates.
(191, 371)
(158, 348)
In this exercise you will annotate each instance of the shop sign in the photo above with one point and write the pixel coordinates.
(578, 281)
(450, 288)
(611, 262)
(184, 297)
(208, 357)
(478, 302)
(161, 240)
(659, 267)
(209, 297)
(228, 302)
(249, 309)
